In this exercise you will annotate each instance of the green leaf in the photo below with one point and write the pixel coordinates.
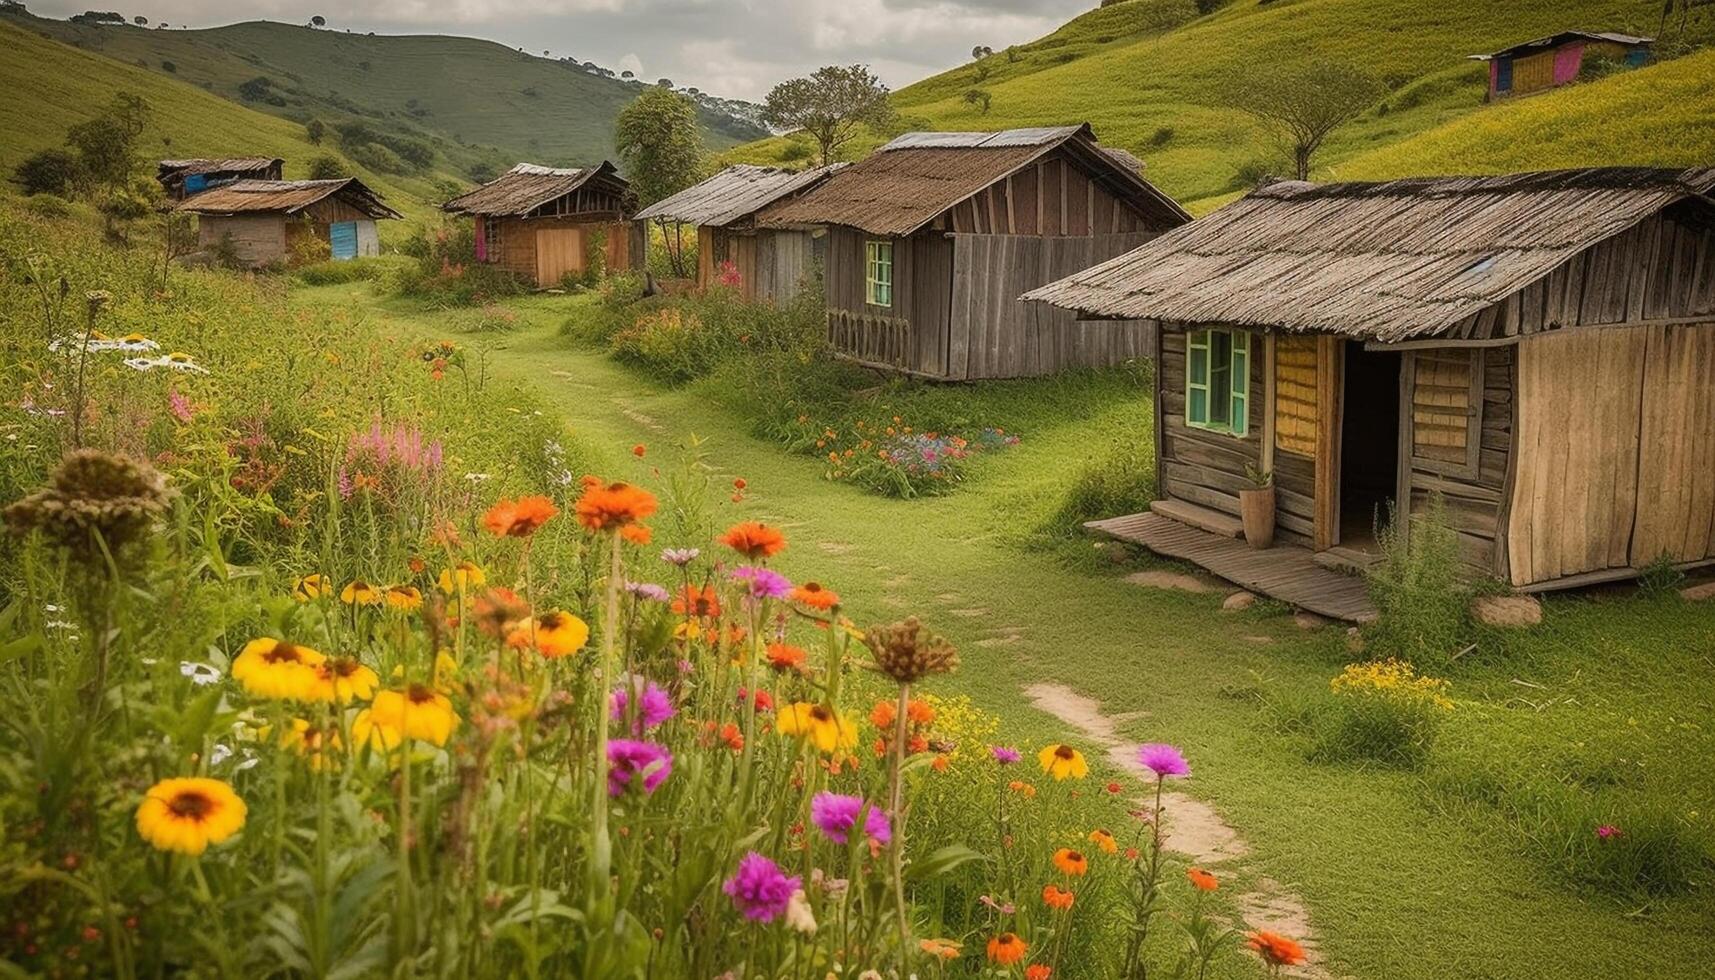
(943, 861)
(197, 718)
(23, 646)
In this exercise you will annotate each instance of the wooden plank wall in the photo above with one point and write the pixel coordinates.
(257, 239)
(1473, 500)
(785, 262)
(1053, 197)
(994, 335)
(559, 251)
(1676, 453)
(1208, 468)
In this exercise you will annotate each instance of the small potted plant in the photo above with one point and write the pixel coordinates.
(1256, 507)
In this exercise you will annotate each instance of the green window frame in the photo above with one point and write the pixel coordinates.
(1218, 380)
(878, 273)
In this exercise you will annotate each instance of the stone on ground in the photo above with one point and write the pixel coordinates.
(1238, 602)
(1506, 611)
(1307, 620)
(1174, 581)
(1699, 592)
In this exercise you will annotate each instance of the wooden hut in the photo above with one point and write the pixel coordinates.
(931, 240)
(263, 222)
(1537, 350)
(540, 223)
(768, 263)
(182, 178)
(1547, 62)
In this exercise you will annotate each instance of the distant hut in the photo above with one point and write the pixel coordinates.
(931, 240)
(1546, 62)
(182, 178)
(1537, 350)
(769, 263)
(264, 221)
(539, 222)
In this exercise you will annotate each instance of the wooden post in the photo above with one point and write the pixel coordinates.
(1402, 478)
(1330, 407)
(1268, 422)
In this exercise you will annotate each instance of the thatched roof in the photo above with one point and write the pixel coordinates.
(286, 196)
(909, 182)
(1556, 40)
(734, 194)
(225, 165)
(528, 186)
(1386, 261)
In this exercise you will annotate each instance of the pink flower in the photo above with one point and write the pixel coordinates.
(632, 763)
(180, 406)
(836, 815)
(1163, 760)
(763, 583)
(1005, 755)
(759, 889)
(653, 708)
(1607, 830)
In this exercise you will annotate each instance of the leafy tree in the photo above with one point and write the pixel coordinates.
(830, 105)
(140, 21)
(658, 140)
(664, 82)
(169, 67)
(980, 98)
(124, 205)
(98, 17)
(318, 21)
(1302, 104)
(482, 172)
(980, 52)
(315, 130)
(328, 167)
(49, 171)
(106, 145)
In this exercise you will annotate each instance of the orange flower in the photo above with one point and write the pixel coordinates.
(636, 533)
(1114, 788)
(613, 505)
(941, 764)
(702, 603)
(1022, 788)
(638, 450)
(784, 657)
(1204, 881)
(883, 715)
(1104, 840)
(920, 712)
(1038, 971)
(739, 484)
(518, 518)
(754, 540)
(1276, 949)
(942, 949)
(1132, 853)
(497, 609)
(1071, 862)
(815, 596)
(1007, 948)
(1056, 897)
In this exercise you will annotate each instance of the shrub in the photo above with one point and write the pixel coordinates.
(376, 157)
(445, 271)
(51, 171)
(1382, 711)
(1419, 588)
(1162, 136)
(331, 273)
(48, 206)
(328, 167)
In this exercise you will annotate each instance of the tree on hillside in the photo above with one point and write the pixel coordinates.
(830, 105)
(328, 167)
(318, 21)
(1302, 104)
(106, 145)
(140, 21)
(980, 98)
(315, 131)
(980, 52)
(658, 140)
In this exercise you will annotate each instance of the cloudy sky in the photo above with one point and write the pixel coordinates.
(735, 48)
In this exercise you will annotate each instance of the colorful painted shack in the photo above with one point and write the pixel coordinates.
(932, 238)
(766, 263)
(1547, 62)
(182, 178)
(1536, 351)
(262, 223)
(543, 224)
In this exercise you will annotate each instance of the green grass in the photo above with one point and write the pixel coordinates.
(67, 86)
(1136, 68)
(1402, 879)
(476, 99)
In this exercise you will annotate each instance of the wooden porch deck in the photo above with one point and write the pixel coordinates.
(1285, 572)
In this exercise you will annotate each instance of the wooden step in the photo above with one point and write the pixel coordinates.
(1201, 518)
(1350, 560)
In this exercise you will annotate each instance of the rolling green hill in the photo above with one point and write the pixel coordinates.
(67, 86)
(476, 102)
(1147, 75)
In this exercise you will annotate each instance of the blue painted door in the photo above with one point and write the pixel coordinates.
(1504, 75)
(343, 236)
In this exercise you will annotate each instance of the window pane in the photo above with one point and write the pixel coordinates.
(1197, 406)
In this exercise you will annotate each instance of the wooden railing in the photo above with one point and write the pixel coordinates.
(883, 341)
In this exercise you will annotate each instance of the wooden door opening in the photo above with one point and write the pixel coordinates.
(1369, 444)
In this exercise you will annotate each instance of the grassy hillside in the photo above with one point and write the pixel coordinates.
(68, 86)
(1147, 74)
(476, 101)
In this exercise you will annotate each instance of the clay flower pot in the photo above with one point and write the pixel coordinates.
(1256, 510)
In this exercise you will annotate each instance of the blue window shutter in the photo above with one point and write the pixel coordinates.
(343, 237)
(196, 183)
(1504, 75)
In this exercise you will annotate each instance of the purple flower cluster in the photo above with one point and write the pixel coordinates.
(759, 889)
(1005, 754)
(653, 707)
(647, 590)
(635, 763)
(835, 815)
(763, 583)
(1163, 760)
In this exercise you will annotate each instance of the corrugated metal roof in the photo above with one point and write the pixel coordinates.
(528, 186)
(1386, 261)
(219, 165)
(288, 196)
(734, 194)
(907, 183)
(1556, 40)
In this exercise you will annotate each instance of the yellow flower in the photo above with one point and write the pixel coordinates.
(1063, 761)
(310, 740)
(359, 593)
(819, 723)
(1105, 841)
(418, 712)
(187, 815)
(446, 676)
(404, 598)
(270, 668)
(554, 634)
(311, 587)
(344, 679)
(462, 578)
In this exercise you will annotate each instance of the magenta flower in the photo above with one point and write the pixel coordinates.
(836, 815)
(653, 708)
(179, 405)
(631, 763)
(1163, 760)
(764, 583)
(1607, 830)
(1005, 754)
(759, 889)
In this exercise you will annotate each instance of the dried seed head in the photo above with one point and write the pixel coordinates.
(91, 492)
(907, 652)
